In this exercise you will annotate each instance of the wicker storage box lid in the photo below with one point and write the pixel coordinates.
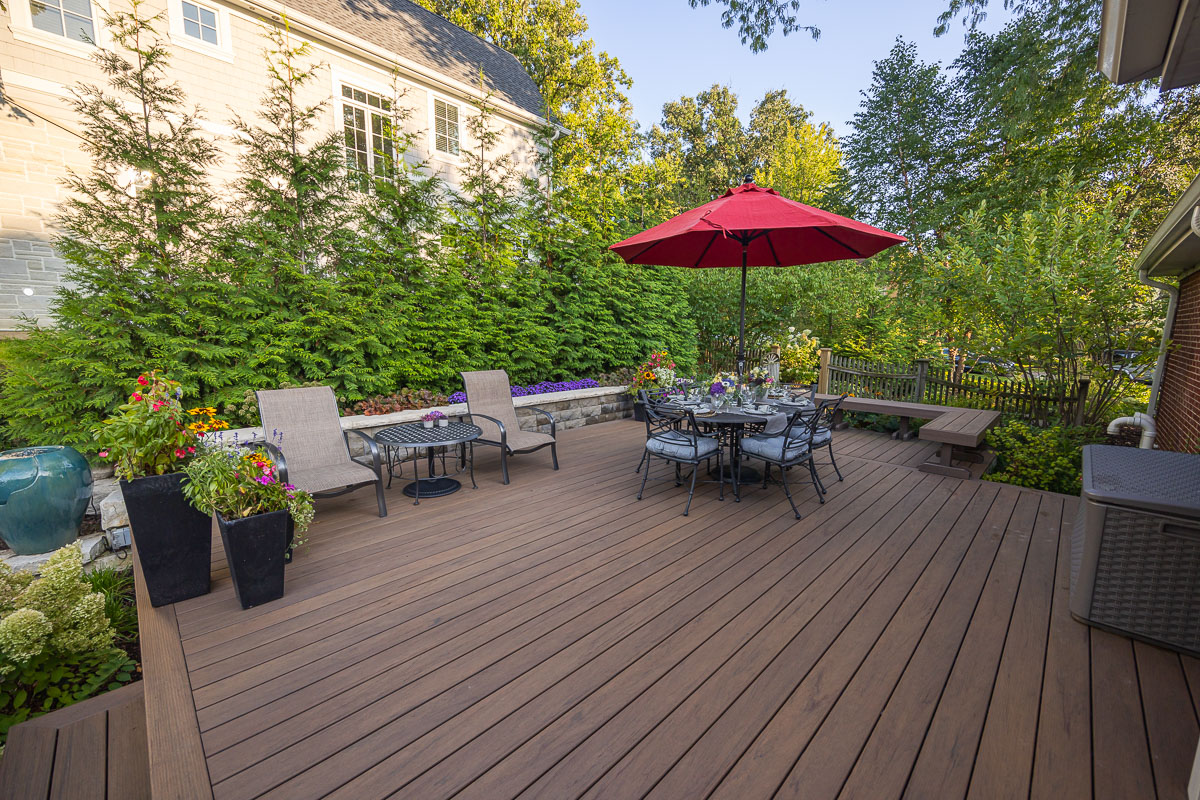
(1154, 480)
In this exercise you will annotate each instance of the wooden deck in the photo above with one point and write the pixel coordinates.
(556, 638)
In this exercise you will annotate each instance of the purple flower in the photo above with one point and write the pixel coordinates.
(458, 397)
(717, 389)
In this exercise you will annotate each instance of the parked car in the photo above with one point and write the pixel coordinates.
(1131, 363)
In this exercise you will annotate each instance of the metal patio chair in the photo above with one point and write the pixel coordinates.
(306, 422)
(490, 406)
(791, 448)
(672, 435)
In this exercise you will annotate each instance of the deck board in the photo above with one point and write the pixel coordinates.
(557, 638)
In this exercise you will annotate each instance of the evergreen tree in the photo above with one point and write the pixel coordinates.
(142, 289)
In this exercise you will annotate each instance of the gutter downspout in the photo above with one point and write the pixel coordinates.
(1172, 293)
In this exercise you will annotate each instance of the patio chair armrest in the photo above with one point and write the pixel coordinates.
(499, 424)
(372, 447)
(277, 456)
(549, 416)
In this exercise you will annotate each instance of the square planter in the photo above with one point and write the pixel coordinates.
(256, 548)
(174, 540)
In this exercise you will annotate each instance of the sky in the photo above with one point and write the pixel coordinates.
(671, 50)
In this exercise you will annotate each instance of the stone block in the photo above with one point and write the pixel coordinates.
(92, 546)
(112, 511)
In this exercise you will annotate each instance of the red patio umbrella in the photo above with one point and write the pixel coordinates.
(762, 228)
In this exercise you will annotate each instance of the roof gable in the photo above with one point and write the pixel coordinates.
(407, 29)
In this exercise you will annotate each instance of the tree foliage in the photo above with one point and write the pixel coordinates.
(756, 20)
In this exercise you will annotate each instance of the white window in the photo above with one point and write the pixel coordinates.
(445, 127)
(71, 19)
(200, 22)
(367, 128)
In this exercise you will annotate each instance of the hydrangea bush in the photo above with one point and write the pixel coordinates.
(56, 642)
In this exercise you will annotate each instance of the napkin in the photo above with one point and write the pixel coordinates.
(775, 424)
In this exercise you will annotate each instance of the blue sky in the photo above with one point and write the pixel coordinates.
(671, 50)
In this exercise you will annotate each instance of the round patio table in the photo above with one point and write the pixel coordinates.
(415, 437)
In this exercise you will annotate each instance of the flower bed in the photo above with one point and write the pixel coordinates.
(545, 387)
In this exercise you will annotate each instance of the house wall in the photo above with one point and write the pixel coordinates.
(40, 136)
(1178, 414)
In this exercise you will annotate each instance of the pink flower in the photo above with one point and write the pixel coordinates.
(104, 454)
(142, 381)
(265, 480)
(136, 396)
(179, 453)
(191, 449)
(157, 405)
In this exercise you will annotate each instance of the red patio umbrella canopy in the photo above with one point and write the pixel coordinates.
(776, 232)
(755, 227)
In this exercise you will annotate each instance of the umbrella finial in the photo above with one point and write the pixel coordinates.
(748, 179)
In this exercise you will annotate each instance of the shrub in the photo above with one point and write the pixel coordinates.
(403, 400)
(119, 605)
(1040, 458)
(56, 642)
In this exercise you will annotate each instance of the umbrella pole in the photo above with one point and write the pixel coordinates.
(741, 359)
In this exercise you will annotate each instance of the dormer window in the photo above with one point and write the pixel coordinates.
(71, 19)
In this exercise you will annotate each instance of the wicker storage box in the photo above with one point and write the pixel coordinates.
(1135, 550)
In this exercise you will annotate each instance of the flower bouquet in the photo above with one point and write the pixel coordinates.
(260, 517)
(435, 418)
(149, 442)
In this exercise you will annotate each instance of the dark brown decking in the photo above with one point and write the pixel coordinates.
(557, 638)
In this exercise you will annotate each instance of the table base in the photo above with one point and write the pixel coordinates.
(748, 475)
(432, 487)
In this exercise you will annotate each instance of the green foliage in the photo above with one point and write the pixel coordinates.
(56, 642)
(147, 435)
(1049, 289)
(116, 584)
(1040, 458)
(756, 20)
(799, 356)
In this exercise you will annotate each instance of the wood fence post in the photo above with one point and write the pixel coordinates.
(1081, 396)
(922, 374)
(823, 375)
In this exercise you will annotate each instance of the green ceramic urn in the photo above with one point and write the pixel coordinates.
(43, 494)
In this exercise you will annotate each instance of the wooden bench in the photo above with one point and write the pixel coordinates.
(959, 431)
(93, 749)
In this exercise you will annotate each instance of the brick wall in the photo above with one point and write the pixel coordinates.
(1178, 415)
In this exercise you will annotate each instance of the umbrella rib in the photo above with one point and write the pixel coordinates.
(836, 241)
(645, 250)
(704, 252)
(774, 255)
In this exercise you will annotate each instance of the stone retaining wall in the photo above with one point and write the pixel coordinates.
(572, 409)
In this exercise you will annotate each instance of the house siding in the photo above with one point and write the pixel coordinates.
(40, 136)
(1178, 413)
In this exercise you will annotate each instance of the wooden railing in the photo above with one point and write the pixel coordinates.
(923, 382)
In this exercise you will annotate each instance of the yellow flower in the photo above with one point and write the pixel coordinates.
(210, 411)
(195, 411)
(198, 427)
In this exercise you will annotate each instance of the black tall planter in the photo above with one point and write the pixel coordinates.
(254, 548)
(174, 540)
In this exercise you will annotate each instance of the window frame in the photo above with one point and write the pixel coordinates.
(369, 89)
(434, 152)
(178, 34)
(21, 16)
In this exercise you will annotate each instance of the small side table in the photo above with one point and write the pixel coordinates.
(416, 437)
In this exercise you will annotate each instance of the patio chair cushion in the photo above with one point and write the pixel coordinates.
(821, 437)
(330, 477)
(772, 447)
(675, 444)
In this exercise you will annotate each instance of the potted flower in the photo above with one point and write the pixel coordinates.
(657, 372)
(257, 514)
(148, 442)
(434, 418)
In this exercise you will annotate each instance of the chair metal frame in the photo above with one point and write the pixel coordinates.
(808, 422)
(660, 425)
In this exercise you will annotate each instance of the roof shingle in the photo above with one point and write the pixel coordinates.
(409, 30)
